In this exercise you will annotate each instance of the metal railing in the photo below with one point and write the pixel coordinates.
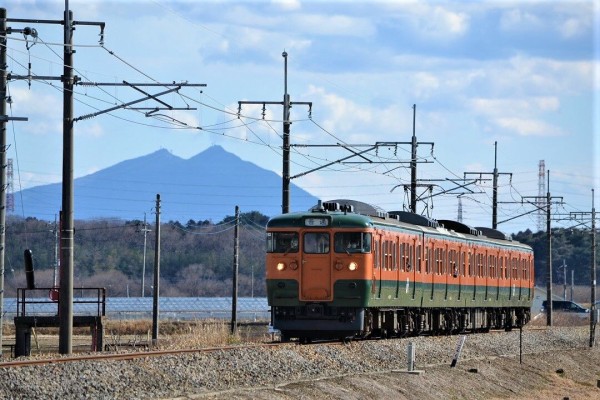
(45, 301)
(39, 302)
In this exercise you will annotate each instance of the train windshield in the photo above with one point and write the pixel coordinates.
(282, 242)
(316, 243)
(352, 242)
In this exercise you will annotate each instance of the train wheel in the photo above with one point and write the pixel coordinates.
(284, 337)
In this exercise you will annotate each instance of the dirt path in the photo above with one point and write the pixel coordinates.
(559, 375)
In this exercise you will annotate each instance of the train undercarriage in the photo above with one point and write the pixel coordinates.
(315, 322)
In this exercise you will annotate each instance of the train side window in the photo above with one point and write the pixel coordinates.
(385, 255)
(427, 260)
(352, 242)
(418, 263)
(402, 259)
(376, 255)
(450, 262)
(282, 242)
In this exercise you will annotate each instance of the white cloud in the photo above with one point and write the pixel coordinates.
(570, 28)
(440, 23)
(529, 127)
(89, 129)
(290, 5)
(518, 20)
(523, 116)
(520, 106)
(333, 25)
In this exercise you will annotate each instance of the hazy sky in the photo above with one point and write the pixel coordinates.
(524, 74)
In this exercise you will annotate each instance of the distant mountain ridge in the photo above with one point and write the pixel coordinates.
(206, 186)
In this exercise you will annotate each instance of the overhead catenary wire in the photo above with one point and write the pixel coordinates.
(174, 125)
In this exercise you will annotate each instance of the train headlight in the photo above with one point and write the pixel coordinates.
(353, 266)
(280, 266)
(293, 265)
(338, 266)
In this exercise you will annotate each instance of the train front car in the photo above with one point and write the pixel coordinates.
(317, 278)
(336, 273)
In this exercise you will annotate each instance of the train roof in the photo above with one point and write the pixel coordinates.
(352, 213)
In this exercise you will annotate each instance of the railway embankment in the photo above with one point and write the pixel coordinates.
(537, 364)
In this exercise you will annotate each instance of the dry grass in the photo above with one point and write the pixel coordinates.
(130, 335)
(561, 319)
(183, 334)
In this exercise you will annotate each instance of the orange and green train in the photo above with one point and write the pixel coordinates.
(346, 269)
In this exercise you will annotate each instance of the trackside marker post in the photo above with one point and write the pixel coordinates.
(411, 357)
(459, 347)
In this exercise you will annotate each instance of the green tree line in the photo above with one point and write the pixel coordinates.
(197, 257)
(570, 247)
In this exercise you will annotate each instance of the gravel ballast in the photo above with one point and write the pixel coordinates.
(292, 370)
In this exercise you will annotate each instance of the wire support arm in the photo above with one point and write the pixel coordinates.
(125, 105)
(340, 161)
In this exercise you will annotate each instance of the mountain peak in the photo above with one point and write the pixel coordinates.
(207, 186)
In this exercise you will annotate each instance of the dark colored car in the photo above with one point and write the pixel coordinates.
(565, 305)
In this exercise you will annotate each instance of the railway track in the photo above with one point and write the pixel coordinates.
(158, 353)
(127, 356)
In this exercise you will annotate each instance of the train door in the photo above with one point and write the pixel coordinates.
(462, 275)
(513, 275)
(315, 281)
(473, 270)
(416, 270)
(521, 276)
(430, 269)
(486, 274)
(447, 257)
(497, 258)
(397, 251)
(377, 267)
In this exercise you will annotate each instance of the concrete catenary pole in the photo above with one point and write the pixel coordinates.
(236, 267)
(548, 257)
(155, 301)
(65, 304)
(145, 230)
(495, 189)
(285, 201)
(413, 165)
(593, 308)
(3, 95)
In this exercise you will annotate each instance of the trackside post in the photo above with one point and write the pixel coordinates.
(459, 347)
